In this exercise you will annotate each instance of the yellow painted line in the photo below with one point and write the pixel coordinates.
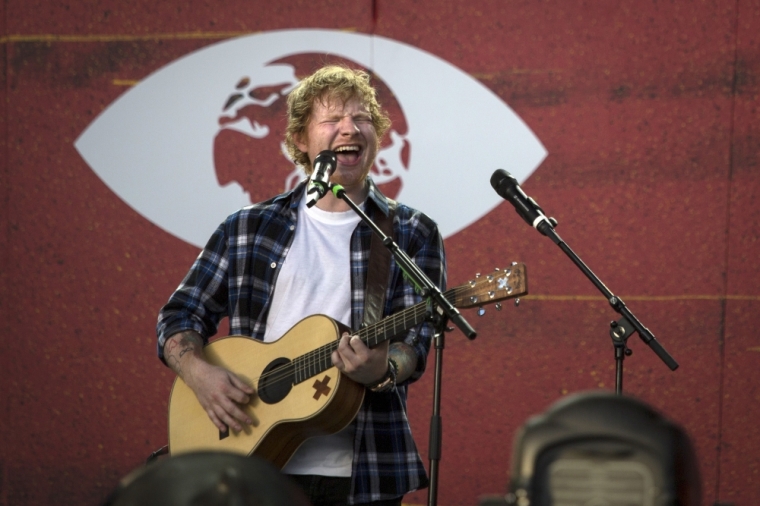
(643, 297)
(125, 82)
(130, 37)
(122, 37)
(564, 297)
(488, 76)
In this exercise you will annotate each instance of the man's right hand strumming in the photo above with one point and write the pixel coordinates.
(219, 391)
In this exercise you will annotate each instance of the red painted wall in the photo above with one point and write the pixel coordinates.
(649, 113)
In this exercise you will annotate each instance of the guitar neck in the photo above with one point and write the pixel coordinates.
(320, 359)
(494, 287)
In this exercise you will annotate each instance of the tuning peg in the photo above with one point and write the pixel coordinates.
(477, 274)
(517, 301)
(498, 306)
(481, 311)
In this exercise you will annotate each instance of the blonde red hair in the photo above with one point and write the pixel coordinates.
(329, 83)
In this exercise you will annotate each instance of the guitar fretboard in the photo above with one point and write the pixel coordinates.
(320, 359)
(485, 290)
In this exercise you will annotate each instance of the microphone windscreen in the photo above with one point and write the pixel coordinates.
(499, 179)
(327, 158)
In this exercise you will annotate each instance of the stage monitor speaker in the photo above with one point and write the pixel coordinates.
(602, 449)
(207, 479)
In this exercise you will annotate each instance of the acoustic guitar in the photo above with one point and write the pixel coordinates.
(300, 395)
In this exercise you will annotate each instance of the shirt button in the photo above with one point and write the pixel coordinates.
(273, 265)
(292, 227)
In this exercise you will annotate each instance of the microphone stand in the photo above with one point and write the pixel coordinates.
(619, 330)
(435, 439)
(443, 312)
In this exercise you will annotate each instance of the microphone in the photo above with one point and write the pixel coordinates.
(324, 165)
(506, 186)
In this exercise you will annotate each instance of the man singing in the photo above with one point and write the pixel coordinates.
(271, 264)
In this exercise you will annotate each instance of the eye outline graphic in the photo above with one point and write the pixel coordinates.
(153, 146)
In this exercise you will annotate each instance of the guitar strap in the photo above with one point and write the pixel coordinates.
(378, 269)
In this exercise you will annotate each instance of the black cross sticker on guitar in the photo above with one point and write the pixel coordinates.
(321, 388)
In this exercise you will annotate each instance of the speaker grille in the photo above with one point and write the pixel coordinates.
(583, 482)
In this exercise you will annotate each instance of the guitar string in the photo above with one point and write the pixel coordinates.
(301, 367)
(303, 364)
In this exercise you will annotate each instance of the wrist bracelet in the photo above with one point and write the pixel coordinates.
(387, 382)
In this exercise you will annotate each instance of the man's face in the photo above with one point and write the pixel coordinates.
(347, 129)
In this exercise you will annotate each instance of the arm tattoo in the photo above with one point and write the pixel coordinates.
(405, 358)
(179, 344)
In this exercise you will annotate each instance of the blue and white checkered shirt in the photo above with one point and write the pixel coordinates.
(235, 275)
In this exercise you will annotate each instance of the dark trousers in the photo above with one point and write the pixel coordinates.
(331, 491)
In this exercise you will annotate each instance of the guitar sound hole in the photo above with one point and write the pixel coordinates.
(276, 381)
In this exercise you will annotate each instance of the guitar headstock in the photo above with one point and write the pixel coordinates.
(498, 285)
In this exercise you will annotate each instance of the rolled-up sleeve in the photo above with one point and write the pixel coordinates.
(200, 301)
(419, 236)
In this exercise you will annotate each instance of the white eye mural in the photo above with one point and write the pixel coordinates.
(203, 136)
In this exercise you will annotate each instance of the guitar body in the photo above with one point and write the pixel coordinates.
(299, 394)
(283, 415)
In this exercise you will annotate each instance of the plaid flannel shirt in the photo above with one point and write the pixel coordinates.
(235, 275)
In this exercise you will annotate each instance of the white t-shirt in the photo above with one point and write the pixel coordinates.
(320, 253)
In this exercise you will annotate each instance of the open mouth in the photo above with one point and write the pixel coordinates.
(348, 154)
